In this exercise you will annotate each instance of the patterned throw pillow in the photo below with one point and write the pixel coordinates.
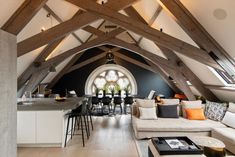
(215, 111)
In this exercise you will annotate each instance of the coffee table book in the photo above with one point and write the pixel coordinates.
(175, 146)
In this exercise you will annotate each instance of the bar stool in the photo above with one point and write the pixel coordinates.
(128, 101)
(79, 115)
(117, 101)
(89, 115)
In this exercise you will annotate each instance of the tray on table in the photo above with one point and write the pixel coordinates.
(175, 145)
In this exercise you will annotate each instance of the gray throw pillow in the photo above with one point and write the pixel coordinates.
(168, 111)
(215, 111)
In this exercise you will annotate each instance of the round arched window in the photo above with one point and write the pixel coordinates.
(111, 79)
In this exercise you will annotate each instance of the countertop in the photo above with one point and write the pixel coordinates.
(47, 104)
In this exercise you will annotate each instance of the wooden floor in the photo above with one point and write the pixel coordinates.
(112, 137)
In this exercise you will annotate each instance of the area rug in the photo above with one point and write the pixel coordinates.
(142, 147)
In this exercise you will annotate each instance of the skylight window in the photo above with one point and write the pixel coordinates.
(224, 77)
(227, 76)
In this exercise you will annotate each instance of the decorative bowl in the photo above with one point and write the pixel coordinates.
(60, 99)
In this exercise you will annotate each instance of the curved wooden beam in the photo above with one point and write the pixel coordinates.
(198, 33)
(23, 15)
(132, 47)
(66, 27)
(146, 31)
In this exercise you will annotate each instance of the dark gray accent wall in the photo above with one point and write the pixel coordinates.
(146, 80)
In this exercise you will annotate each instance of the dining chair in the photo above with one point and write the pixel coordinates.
(128, 101)
(117, 102)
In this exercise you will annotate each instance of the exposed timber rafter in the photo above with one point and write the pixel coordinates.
(66, 27)
(49, 10)
(154, 69)
(90, 60)
(187, 73)
(151, 21)
(197, 33)
(131, 47)
(33, 67)
(36, 79)
(23, 15)
(64, 70)
(146, 31)
(149, 67)
(93, 43)
(158, 69)
(183, 70)
(69, 64)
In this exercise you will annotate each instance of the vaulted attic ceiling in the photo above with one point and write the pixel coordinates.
(215, 16)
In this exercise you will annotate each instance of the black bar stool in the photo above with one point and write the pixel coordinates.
(117, 101)
(79, 115)
(89, 115)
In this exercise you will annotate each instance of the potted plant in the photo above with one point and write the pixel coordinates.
(105, 90)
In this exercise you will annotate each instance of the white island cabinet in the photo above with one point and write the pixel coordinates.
(40, 128)
(43, 123)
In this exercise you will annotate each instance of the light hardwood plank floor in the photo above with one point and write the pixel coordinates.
(112, 137)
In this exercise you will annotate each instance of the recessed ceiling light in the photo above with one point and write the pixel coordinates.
(220, 14)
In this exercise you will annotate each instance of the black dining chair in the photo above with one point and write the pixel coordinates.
(128, 101)
(95, 103)
(106, 101)
(117, 102)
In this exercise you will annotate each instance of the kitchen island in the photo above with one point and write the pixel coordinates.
(42, 122)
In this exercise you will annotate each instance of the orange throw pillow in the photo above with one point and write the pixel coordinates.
(195, 114)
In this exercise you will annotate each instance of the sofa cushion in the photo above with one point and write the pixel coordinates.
(170, 101)
(145, 103)
(175, 125)
(225, 133)
(134, 109)
(148, 113)
(229, 119)
(190, 104)
(168, 111)
(231, 107)
(215, 111)
(195, 114)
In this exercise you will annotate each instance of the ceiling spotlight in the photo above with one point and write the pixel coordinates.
(43, 29)
(49, 15)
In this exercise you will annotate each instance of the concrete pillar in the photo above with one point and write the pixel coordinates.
(8, 90)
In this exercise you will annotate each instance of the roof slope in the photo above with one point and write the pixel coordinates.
(217, 17)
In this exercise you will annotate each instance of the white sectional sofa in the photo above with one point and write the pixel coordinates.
(184, 127)
(173, 127)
